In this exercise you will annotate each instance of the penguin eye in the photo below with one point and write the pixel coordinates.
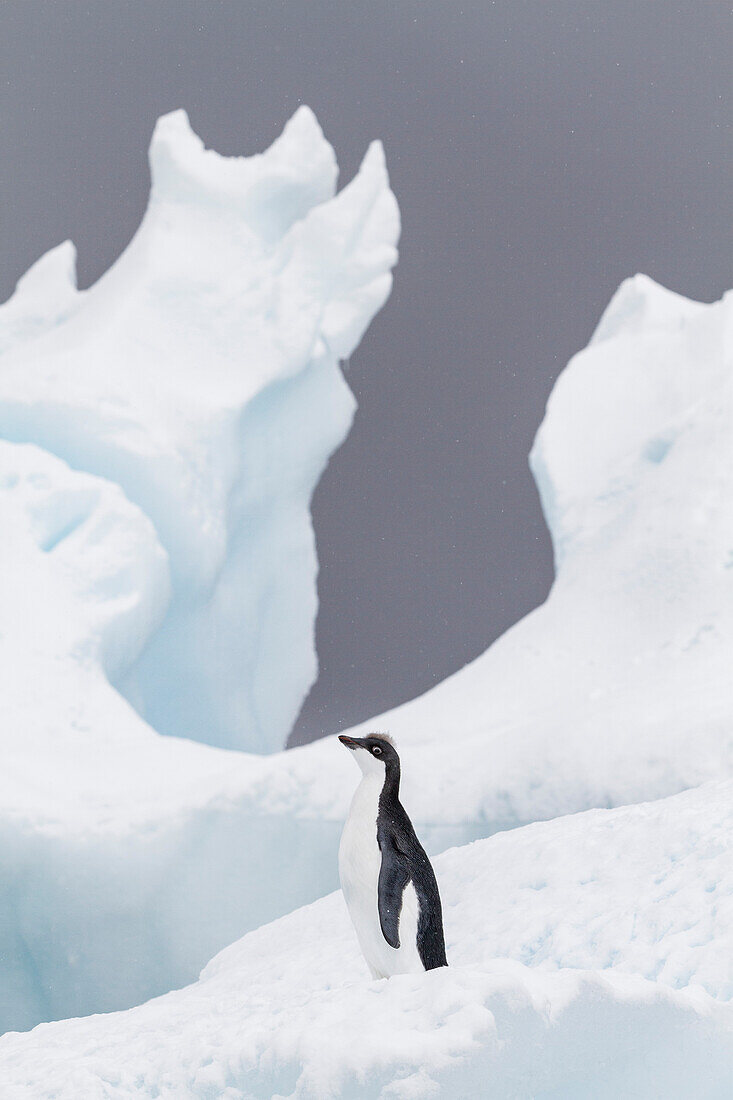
(377, 751)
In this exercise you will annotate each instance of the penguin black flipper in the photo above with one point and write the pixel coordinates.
(393, 878)
(404, 860)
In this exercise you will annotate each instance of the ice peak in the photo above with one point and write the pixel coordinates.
(616, 412)
(176, 125)
(43, 296)
(302, 137)
(55, 270)
(638, 303)
(299, 169)
(374, 160)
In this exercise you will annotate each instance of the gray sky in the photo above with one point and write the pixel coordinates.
(540, 151)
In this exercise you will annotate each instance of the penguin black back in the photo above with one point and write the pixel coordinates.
(403, 860)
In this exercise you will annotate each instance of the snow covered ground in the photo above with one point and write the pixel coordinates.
(160, 437)
(590, 957)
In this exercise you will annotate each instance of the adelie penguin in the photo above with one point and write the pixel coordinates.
(387, 880)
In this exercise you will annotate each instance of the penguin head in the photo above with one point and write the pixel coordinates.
(374, 754)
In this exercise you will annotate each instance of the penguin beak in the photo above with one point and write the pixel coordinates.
(350, 742)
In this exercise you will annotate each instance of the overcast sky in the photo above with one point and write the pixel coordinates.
(541, 151)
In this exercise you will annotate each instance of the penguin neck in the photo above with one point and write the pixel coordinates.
(384, 788)
(391, 786)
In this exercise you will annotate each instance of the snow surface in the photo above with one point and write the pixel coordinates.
(638, 901)
(128, 859)
(200, 374)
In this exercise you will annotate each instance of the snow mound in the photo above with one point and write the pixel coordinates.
(644, 890)
(201, 375)
(289, 1011)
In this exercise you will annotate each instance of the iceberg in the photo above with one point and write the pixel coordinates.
(161, 434)
(201, 375)
(160, 437)
(589, 957)
(128, 859)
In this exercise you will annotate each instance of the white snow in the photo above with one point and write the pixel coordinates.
(620, 896)
(200, 374)
(160, 437)
(129, 859)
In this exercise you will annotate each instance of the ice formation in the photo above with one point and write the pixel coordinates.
(618, 688)
(129, 859)
(201, 375)
(162, 433)
(589, 957)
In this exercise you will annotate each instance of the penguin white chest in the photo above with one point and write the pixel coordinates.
(360, 861)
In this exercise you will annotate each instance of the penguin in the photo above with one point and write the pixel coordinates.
(387, 880)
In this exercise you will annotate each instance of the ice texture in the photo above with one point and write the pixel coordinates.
(163, 433)
(201, 375)
(589, 957)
